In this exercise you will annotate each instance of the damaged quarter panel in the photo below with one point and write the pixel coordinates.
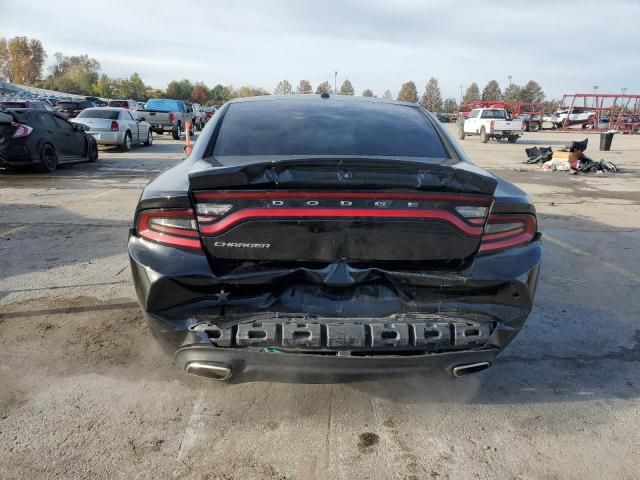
(321, 237)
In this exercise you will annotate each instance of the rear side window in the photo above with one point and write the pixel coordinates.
(60, 123)
(327, 127)
(99, 113)
(118, 103)
(494, 114)
(45, 120)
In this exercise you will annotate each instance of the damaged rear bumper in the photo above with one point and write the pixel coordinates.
(325, 324)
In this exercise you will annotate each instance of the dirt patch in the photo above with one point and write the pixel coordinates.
(367, 441)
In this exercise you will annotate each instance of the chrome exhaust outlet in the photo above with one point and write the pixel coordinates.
(216, 371)
(470, 368)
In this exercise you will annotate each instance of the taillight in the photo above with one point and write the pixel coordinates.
(175, 228)
(492, 123)
(507, 231)
(115, 126)
(21, 130)
(172, 117)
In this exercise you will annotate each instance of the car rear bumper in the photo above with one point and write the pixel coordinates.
(186, 305)
(108, 138)
(16, 154)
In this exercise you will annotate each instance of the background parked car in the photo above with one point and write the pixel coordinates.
(140, 105)
(71, 108)
(198, 117)
(98, 102)
(209, 112)
(166, 115)
(128, 104)
(30, 137)
(116, 126)
(37, 104)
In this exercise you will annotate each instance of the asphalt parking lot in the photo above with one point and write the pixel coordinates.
(85, 392)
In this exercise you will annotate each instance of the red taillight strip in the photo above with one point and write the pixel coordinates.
(144, 230)
(256, 213)
(450, 197)
(515, 237)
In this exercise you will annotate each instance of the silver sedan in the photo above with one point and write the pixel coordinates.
(116, 126)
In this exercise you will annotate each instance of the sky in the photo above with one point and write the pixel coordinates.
(566, 46)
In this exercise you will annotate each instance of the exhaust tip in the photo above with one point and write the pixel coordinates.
(470, 368)
(215, 371)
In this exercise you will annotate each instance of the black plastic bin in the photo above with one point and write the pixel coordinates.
(605, 141)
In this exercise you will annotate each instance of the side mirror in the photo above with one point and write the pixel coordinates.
(141, 119)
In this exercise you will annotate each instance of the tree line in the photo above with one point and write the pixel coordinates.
(22, 61)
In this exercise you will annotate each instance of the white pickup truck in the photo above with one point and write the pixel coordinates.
(491, 123)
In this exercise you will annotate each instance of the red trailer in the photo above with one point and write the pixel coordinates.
(599, 112)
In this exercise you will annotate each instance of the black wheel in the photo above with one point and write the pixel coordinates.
(484, 138)
(48, 158)
(534, 127)
(93, 152)
(149, 141)
(513, 138)
(126, 145)
(177, 133)
(461, 133)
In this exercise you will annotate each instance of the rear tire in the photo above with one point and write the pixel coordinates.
(513, 139)
(149, 141)
(126, 145)
(461, 133)
(48, 158)
(484, 138)
(177, 133)
(93, 152)
(534, 127)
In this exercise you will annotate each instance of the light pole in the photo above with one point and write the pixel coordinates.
(461, 96)
(595, 92)
(335, 83)
(509, 77)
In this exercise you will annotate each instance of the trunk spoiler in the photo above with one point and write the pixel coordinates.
(454, 177)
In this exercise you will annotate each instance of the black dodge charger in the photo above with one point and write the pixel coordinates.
(322, 237)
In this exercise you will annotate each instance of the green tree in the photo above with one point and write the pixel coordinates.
(431, 98)
(220, 95)
(387, 95)
(324, 87)
(103, 87)
(304, 87)
(408, 92)
(367, 92)
(21, 59)
(200, 93)
(492, 91)
(450, 105)
(512, 93)
(76, 74)
(472, 93)
(346, 88)
(283, 88)
(532, 92)
(179, 89)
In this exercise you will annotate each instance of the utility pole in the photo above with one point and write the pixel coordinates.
(509, 77)
(461, 96)
(595, 92)
(335, 83)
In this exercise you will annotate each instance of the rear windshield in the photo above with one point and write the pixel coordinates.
(99, 113)
(162, 104)
(119, 103)
(327, 127)
(69, 105)
(494, 114)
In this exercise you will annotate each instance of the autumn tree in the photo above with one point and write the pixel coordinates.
(200, 93)
(304, 87)
(324, 87)
(346, 88)
(220, 94)
(431, 98)
(283, 88)
(75, 74)
(492, 91)
(180, 89)
(367, 92)
(21, 59)
(387, 95)
(408, 92)
(512, 93)
(472, 93)
(532, 92)
(450, 105)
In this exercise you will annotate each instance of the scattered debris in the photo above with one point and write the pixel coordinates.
(568, 159)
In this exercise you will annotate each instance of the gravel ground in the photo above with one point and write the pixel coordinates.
(85, 392)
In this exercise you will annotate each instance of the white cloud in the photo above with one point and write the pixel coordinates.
(377, 44)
